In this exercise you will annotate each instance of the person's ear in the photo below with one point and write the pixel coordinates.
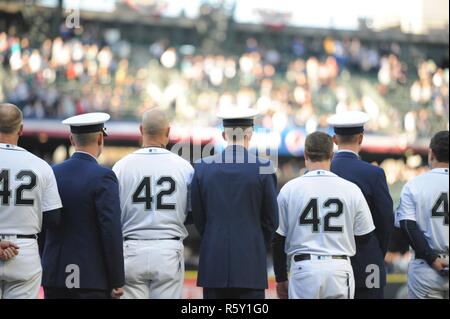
(360, 139)
(100, 140)
(335, 140)
(306, 156)
(250, 134)
(141, 129)
(430, 156)
(167, 138)
(72, 140)
(224, 136)
(21, 130)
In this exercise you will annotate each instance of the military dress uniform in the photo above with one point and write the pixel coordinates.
(83, 258)
(235, 210)
(372, 182)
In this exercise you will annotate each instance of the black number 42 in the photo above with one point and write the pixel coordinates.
(5, 191)
(442, 201)
(143, 193)
(312, 210)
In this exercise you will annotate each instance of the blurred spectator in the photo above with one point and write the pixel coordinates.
(65, 77)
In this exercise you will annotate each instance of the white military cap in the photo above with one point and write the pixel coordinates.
(348, 123)
(237, 116)
(88, 123)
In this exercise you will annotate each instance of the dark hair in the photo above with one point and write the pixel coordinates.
(439, 146)
(319, 147)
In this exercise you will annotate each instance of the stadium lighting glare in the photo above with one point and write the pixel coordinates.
(169, 58)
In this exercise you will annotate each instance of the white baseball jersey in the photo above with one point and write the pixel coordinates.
(27, 189)
(321, 213)
(424, 199)
(154, 194)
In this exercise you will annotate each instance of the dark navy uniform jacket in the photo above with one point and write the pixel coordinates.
(235, 210)
(90, 235)
(372, 182)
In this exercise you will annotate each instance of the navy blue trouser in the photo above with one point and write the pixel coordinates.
(64, 293)
(372, 293)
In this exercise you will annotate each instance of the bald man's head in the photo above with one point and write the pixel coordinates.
(155, 123)
(11, 118)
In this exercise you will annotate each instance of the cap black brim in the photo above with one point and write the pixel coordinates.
(237, 122)
(349, 130)
(89, 129)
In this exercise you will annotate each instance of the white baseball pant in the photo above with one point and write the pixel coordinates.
(154, 269)
(426, 283)
(20, 277)
(323, 278)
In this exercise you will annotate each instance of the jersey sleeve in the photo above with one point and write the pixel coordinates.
(407, 206)
(189, 174)
(117, 168)
(283, 214)
(363, 219)
(50, 197)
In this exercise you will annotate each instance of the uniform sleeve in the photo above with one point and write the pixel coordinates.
(189, 177)
(50, 196)
(107, 204)
(270, 207)
(198, 212)
(418, 241)
(363, 218)
(282, 213)
(406, 209)
(383, 212)
(279, 258)
(116, 169)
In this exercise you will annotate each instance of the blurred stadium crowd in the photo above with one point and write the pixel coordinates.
(405, 93)
(71, 75)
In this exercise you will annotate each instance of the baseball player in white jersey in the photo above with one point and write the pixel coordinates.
(154, 185)
(320, 216)
(423, 217)
(29, 199)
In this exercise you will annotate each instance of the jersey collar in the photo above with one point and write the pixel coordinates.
(151, 150)
(319, 173)
(11, 147)
(348, 152)
(84, 155)
(440, 170)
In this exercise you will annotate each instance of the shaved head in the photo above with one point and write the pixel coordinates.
(11, 118)
(155, 123)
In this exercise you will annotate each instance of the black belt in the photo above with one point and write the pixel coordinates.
(19, 236)
(303, 257)
(174, 238)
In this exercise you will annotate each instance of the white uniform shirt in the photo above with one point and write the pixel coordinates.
(154, 194)
(321, 213)
(27, 189)
(424, 199)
